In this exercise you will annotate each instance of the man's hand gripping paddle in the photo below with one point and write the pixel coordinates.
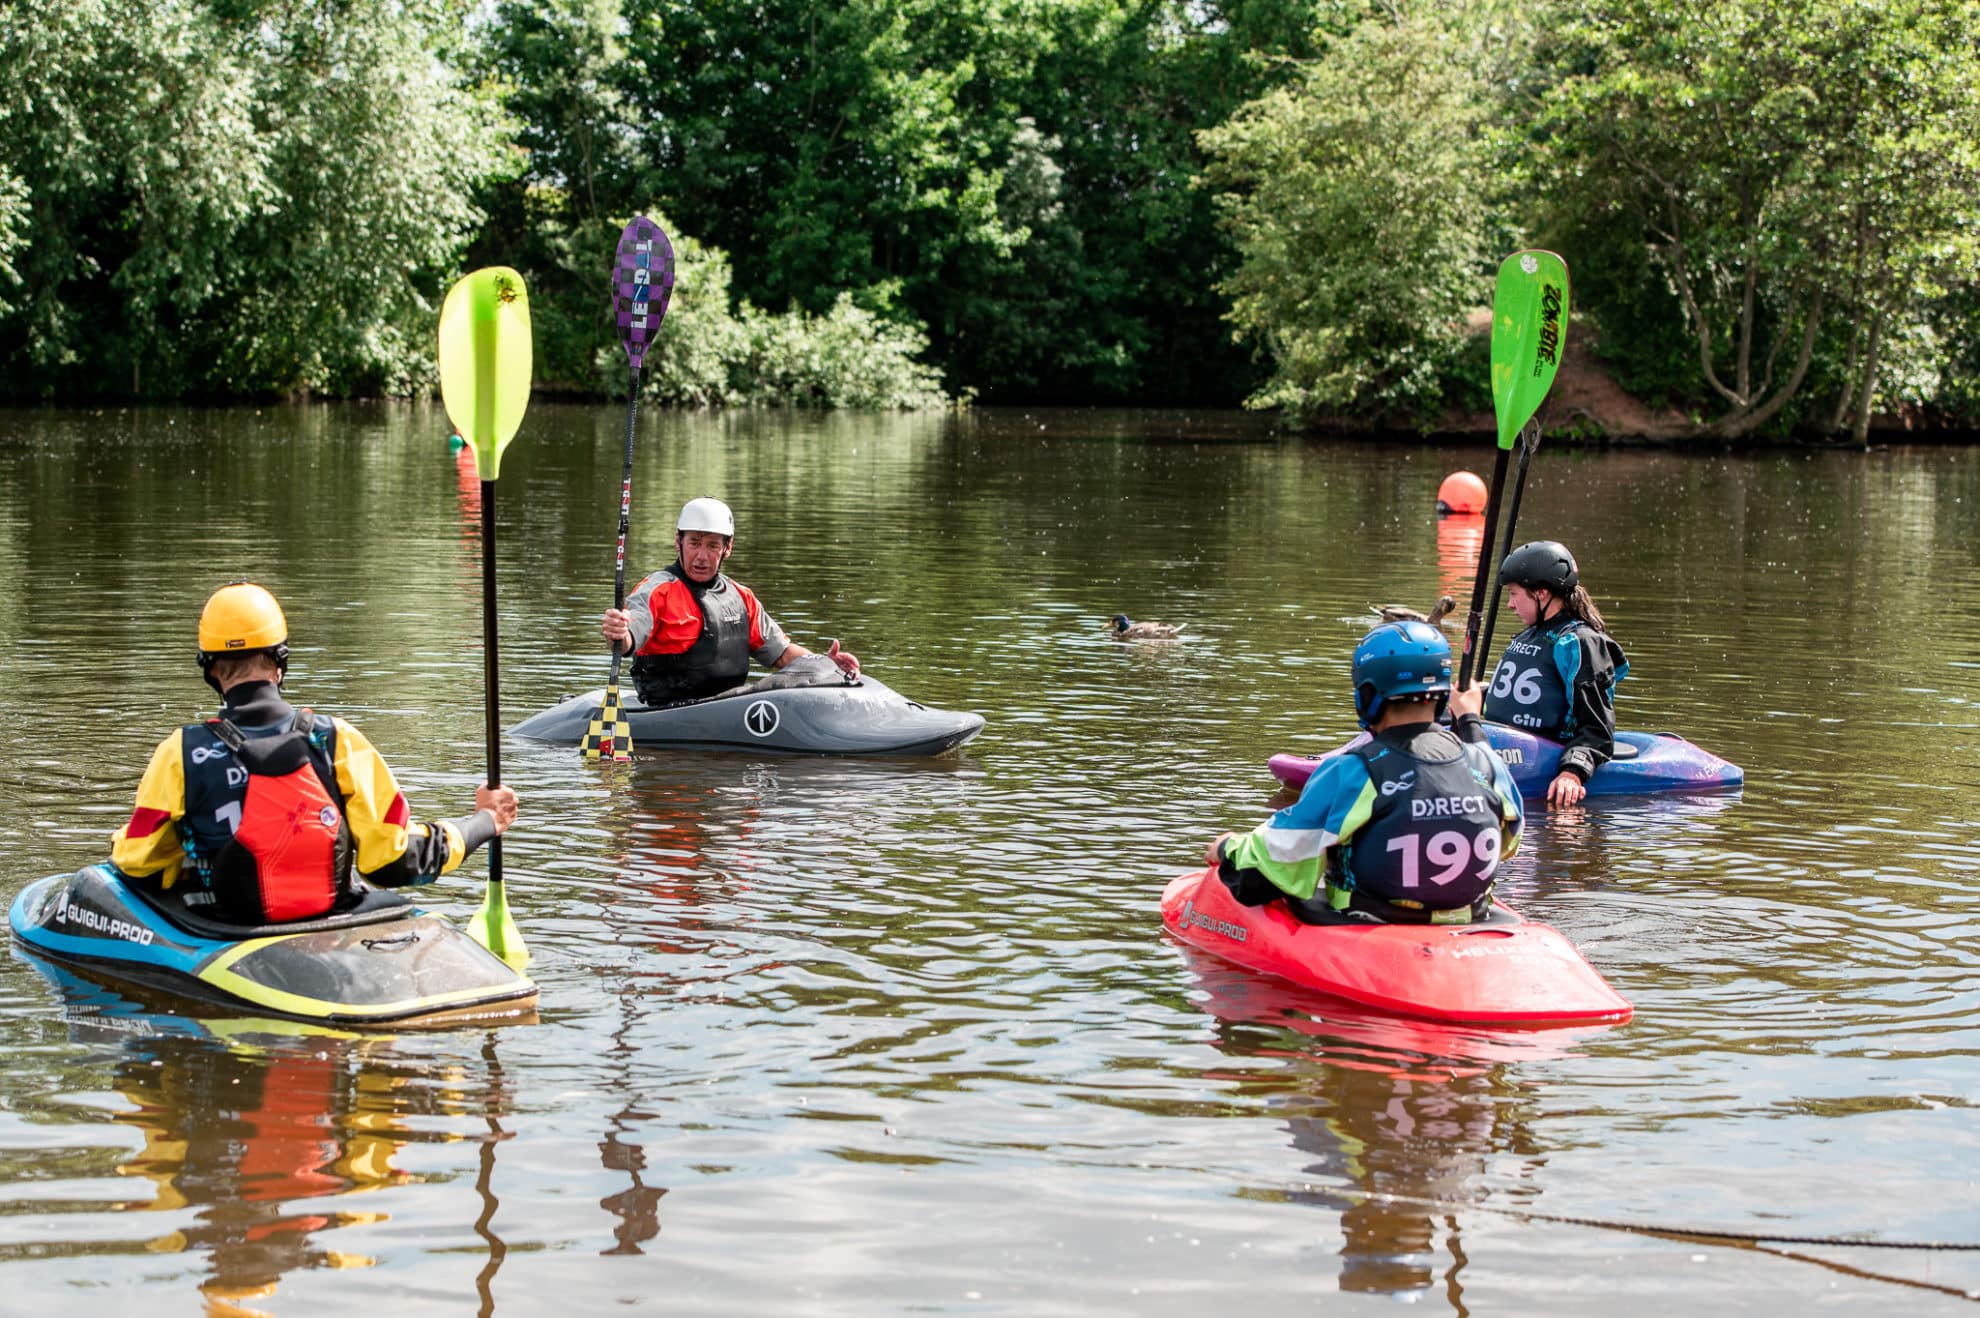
(1529, 329)
(642, 284)
(485, 365)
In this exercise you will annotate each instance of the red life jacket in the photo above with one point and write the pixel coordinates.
(264, 824)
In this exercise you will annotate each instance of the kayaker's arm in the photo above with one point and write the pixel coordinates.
(848, 662)
(1588, 672)
(393, 851)
(148, 846)
(1289, 850)
(1470, 728)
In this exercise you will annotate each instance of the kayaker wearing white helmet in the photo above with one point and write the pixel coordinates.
(690, 629)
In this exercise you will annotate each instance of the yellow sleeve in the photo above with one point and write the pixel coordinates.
(391, 849)
(148, 843)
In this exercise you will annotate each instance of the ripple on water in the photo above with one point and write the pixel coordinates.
(869, 1037)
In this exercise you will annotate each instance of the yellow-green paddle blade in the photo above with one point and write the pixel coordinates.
(495, 929)
(485, 361)
(1529, 329)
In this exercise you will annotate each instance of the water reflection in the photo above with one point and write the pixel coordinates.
(1401, 1122)
(1459, 538)
(924, 1014)
(637, 1207)
(257, 1134)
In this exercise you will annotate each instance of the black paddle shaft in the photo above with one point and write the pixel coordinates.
(1528, 442)
(1485, 567)
(492, 705)
(625, 521)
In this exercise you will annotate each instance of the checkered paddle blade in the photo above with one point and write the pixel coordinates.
(609, 737)
(642, 284)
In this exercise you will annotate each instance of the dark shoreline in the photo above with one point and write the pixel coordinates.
(1158, 424)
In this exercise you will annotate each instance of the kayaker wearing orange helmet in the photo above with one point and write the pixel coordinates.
(273, 812)
(691, 630)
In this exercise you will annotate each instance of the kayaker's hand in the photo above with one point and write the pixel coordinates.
(499, 802)
(615, 626)
(1212, 856)
(1471, 700)
(848, 664)
(1566, 789)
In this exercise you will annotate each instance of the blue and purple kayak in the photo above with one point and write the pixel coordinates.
(1645, 762)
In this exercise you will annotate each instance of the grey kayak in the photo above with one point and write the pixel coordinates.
(830, 717)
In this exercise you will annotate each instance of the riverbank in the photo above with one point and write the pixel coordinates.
(1587, 405)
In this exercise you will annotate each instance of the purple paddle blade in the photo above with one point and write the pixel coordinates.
(642, 283)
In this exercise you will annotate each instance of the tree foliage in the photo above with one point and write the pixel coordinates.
(1802, 174)
(1364, 205)
(234, 198)
(1770, 206)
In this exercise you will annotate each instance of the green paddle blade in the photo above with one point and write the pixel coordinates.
(495, 929)
(1529, 329)
(485, 361)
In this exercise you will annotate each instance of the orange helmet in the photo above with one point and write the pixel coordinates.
(240, 619)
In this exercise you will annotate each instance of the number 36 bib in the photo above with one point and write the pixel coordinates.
(1527, 691)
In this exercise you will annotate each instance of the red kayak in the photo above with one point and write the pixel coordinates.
(1507, 971)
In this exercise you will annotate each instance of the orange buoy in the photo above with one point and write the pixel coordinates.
(1461, 492)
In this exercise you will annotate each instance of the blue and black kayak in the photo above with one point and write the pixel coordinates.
(384, 962)
(1644, 762)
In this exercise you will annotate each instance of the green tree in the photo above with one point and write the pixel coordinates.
(1366, 210)
(1014, 175)
(568, 80)
(718, 350)
(1115, 294)
(13, 232)
(1800, 172)
(234, 196)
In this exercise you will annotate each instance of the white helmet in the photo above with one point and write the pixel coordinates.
(707, 515)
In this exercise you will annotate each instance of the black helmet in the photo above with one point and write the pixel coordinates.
(1541, 565)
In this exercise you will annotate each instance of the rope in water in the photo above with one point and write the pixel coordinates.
(1656, 1229)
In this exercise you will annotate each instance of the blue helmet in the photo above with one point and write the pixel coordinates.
(1399, 659)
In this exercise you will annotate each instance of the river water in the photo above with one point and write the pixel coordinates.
(868, 1037)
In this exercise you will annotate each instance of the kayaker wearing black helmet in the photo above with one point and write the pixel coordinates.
(274, 812)
(1558, 677)
(1407, 827)
(691, 630)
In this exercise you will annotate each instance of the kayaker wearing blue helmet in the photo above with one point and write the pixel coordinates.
(263, 813)
(1558, 677)
(1407, 827)
(691, 630)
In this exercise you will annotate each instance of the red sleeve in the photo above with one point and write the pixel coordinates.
(755, 612)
